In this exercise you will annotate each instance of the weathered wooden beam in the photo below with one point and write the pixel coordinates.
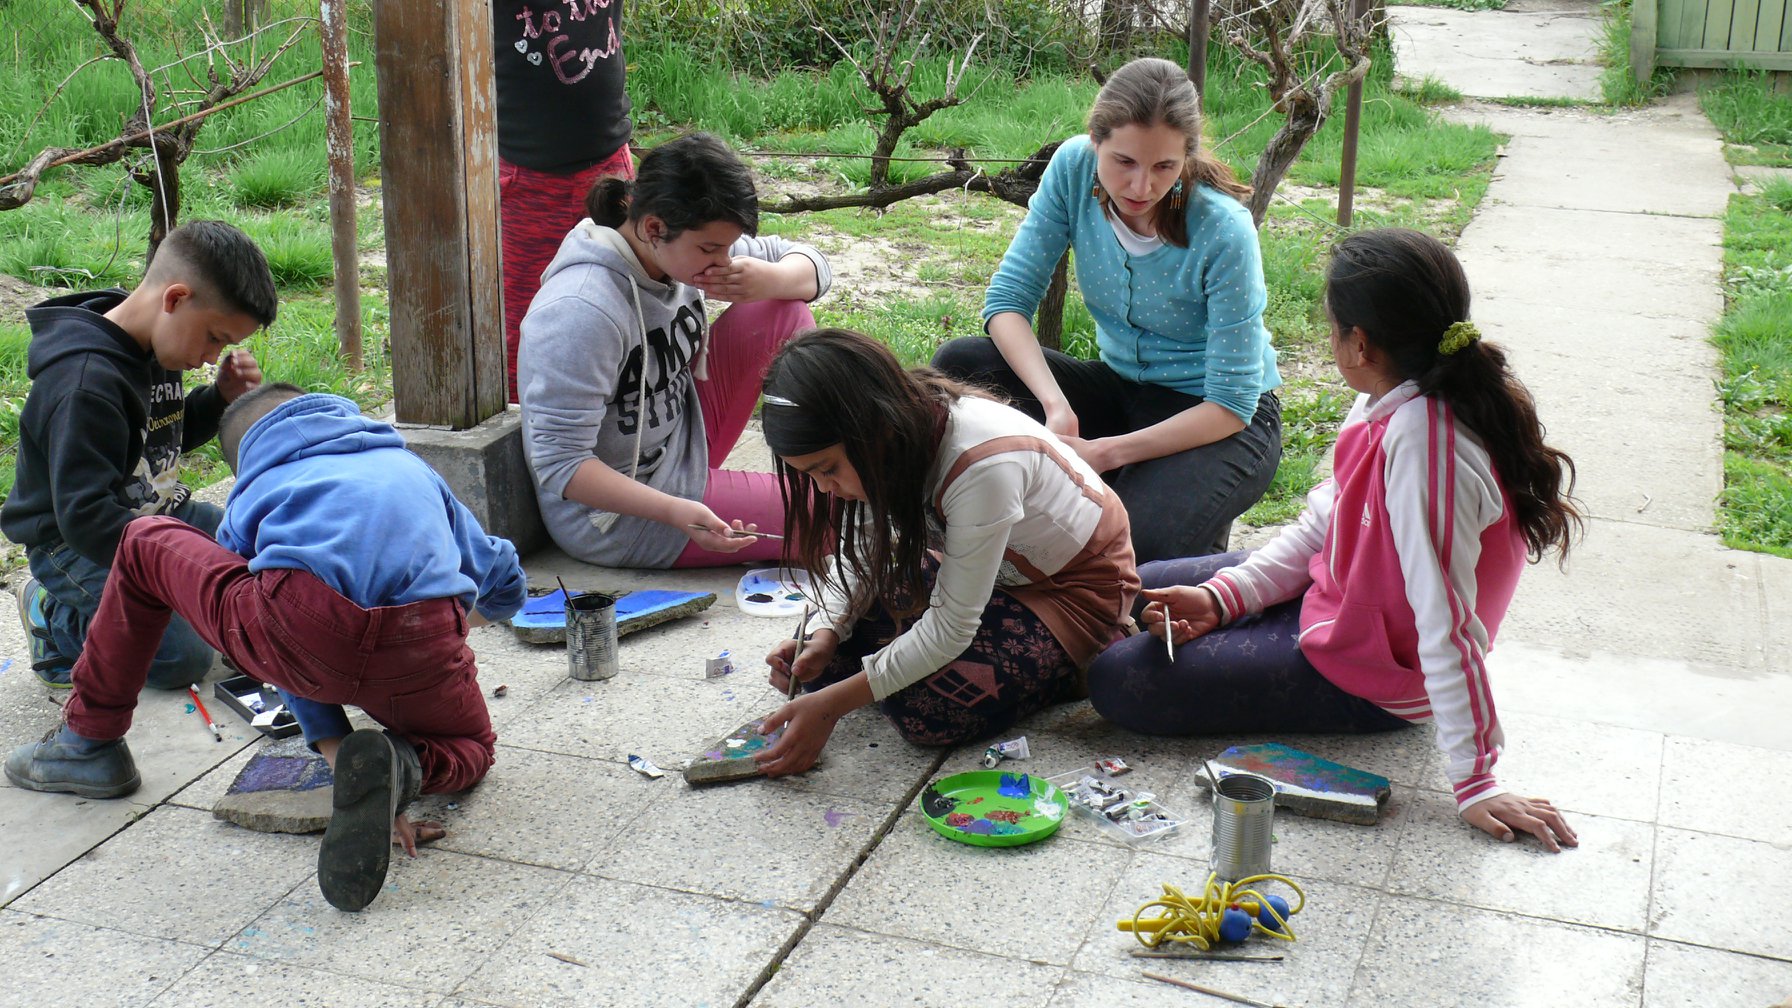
(439, 184)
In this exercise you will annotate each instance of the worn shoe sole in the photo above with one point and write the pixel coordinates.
(357, 845)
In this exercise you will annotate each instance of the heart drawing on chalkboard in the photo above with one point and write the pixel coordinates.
(522, 45)
(535, 58)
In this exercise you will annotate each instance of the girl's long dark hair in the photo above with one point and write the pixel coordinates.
(889, 422)
(686, 182)
(1403, 289)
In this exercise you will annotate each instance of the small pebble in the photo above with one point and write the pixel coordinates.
(500, 690)
(452, 806)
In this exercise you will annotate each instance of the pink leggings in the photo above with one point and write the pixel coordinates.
(741, 345)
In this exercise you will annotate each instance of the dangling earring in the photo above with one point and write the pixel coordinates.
(1178, 199)
(1095, 190)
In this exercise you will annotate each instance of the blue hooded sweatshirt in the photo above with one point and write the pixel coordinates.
(323, 489)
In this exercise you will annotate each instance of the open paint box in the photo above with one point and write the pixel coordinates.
(250, 698)
(774, 591)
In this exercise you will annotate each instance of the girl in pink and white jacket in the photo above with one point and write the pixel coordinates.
(1379, 605)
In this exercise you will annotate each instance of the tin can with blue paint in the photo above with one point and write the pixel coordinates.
(591, 636)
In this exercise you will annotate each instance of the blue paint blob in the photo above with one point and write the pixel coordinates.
(1015, 786)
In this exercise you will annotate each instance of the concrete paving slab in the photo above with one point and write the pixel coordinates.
(440, 917)
(50, 961)
(1640, 265)
(920, 885)
(1331, 929)
(665, 719)
(1666, 159)
(1773, 576)
(1754, 178)
(1690, 867)
(1442, 858)
(760, 842)
(1423, 954)
(49, 831)
(1499, 53)
(177, 874)
(1580, 766)
(640, 946)
(867, 759)
(1636, 590)
(1695, 778)
(542, 809)
(1696, 699)
(1687, 975)
(837, 966)
(225, 980)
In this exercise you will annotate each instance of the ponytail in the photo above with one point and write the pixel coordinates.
(607, 202)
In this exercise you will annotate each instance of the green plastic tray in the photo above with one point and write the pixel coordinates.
(992, 808)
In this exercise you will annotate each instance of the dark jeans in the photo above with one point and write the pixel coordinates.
(75, 583)
(407, 666)
(1247, 677)
(1013, 667)
(1182, 504)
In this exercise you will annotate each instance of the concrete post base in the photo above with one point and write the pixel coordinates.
(484, 466)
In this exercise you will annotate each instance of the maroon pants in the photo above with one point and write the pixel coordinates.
(535, 210)
(407, 666)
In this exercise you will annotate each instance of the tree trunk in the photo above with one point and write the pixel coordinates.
(1049, 326)
(243, 16)
(162, 179)
(1304, 120)
(1115, 26)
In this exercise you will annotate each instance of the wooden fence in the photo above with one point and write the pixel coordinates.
(1755, 34)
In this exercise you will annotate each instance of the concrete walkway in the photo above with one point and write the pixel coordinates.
(1643, 689)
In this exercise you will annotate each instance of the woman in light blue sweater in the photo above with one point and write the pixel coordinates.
(1179, 414)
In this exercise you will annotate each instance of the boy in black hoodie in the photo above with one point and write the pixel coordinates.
(107, 420)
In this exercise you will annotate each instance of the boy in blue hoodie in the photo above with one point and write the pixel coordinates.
(107, 420)
(345, 571)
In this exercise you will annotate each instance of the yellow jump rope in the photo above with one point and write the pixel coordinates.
(1225, 912)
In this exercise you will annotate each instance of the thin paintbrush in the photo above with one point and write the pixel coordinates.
(802, 638)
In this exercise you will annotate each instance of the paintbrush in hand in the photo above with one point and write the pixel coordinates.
(802, 638)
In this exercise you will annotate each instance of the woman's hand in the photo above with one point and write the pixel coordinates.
(1060, 419)
(707, 530)
(1502, 815)
(1187, 612)
(817, 653)
(1102, 454)
(808, 724)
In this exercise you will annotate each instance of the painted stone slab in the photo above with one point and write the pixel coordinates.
(1306, 784)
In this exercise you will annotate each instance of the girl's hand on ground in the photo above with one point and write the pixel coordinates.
(816, 655)
(409, 834)
(808, 724)
(1502, 815)
(743, 279)
(1186, 611)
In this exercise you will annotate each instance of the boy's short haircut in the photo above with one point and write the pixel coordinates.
(249, 407)
(218, 260)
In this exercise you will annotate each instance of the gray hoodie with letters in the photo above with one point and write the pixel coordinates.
(607, 369)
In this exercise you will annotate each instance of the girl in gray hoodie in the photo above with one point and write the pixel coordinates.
(629, 395)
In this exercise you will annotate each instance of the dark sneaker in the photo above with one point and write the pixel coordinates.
(357, 847)
(94, 770)
(52, 669)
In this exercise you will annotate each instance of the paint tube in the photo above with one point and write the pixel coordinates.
(1011, 749)
(644, 766)
(722, 664)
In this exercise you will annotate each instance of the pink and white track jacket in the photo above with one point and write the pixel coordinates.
(1408, 557)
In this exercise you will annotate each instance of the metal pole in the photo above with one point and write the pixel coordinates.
(1353, 115)
(1198, 29)
(340, 140)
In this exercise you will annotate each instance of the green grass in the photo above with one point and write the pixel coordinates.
(1618, 80)
(1755, 341)
(277, 178)
(1756, 122)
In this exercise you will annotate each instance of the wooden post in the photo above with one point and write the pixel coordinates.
(1353, 117)
(339, 138)
(439, 184)
(242, 17)
(1198, 31)
(1643, 27)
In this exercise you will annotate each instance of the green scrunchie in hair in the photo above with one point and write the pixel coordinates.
(1459, 335)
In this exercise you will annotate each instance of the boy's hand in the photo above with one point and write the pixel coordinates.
(237, 373)
(1187, 612)
(408, 834)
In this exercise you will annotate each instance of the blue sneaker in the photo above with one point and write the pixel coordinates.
(50, 667)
